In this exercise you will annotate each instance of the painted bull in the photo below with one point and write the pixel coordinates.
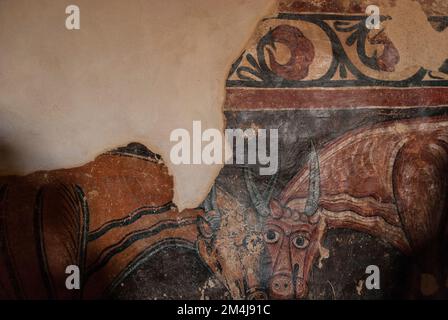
(389, 181)
(110, 215)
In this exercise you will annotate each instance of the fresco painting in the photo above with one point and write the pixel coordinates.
(363, 154)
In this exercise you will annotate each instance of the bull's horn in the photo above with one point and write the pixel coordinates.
(312, 202)
(259, 201)
(212, 213)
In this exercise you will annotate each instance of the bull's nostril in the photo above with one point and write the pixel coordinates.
(281, 285)
(256, 294)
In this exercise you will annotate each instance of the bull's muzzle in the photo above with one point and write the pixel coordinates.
(281, 287)
(284, 286)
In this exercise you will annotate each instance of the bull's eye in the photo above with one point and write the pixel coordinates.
(271, 236)
(301, 242)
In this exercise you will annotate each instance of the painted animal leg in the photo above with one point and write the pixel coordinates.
(420, 189)
(43, 232)
(44, 229)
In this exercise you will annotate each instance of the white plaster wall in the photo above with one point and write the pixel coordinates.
(134, 72)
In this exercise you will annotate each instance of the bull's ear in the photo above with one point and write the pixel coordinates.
(276, 209)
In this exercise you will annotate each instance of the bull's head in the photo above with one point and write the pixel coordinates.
(230, 245)
(292, 234)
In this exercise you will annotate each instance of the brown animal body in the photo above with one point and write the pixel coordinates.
(105, 217)
(389, 181)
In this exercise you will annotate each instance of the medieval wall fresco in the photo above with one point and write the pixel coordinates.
(363, 149)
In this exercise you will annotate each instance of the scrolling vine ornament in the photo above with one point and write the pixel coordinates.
(258, 67)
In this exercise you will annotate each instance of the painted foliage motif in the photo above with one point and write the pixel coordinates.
(346, 54)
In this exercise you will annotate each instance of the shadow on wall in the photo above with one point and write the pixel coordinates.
(9, 157)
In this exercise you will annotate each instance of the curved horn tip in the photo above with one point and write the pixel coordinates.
(312, 203)
(256, 197)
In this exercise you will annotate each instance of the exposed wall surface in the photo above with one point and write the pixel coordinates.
(135, 71)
